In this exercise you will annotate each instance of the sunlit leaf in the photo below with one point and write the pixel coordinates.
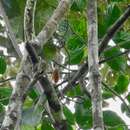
(49, 51)
(75, 48)
(2, 65)
(5, 93)
(122, 84)
(128, 97)
(78, 5)
(117, 63)
(112, 119)
(83, 115)
(46, 126)
(107, 94)
(27, 127)
(69, 115)
(122, 39)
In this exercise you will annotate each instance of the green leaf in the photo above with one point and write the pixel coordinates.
(75, 48)
(33, 94)
(125, 109)
(112, 14)
(119, 0)
(27, 127)
(128, 97)
(31, 116)
(78, 26)
(17, 26)
(28, 103)
(69, 115)
(83, 115)
(112, 119)
(12, 7)
(122, 39)
(69, 127)
(44, 10)
(5, 93)
(74, 43)
(107, 95)
(46, 125)
(76, 56)
(49, 51)
(109, 14)
(122, 84)
(78, 5)
(118, 128)
(118, 63)
(2, 65)
(76, 91)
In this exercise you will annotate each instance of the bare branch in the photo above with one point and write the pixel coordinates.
(50, 93)
(84, 68)
(8, 79)
(9, 31)
(13, 112)
(93, 64)
(113, 29)
(114, 56)
(29, 31)
(52, 23)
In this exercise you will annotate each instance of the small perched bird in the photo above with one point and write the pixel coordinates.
(55, 75)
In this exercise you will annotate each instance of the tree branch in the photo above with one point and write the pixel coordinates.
(93, 66)
(13, 113)
(114, 56)
(50, 93)
(52, 23)
(29, 31)
(113, 29)
(116, 94)
(84, 68)
(9, 31)
(8, 79)
(43, 36)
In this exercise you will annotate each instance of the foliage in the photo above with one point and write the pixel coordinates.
(70, 40)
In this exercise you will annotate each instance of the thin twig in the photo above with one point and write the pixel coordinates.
(114, 56)
(110, 33)
(115, 93)
(63, 66)
(9, 31)
(113, 29)
(8, 79)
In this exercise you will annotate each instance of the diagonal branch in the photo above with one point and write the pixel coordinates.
(114, 56)
(45, 34)
(9, 31)
(8, 79)
(50, 93)
(84, 68)
(52, 23)
(13, 113)
(113, 29)
(116, 94)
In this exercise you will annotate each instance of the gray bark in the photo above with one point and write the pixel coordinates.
(93, 66)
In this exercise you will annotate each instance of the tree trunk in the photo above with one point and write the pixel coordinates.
(94, 75)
